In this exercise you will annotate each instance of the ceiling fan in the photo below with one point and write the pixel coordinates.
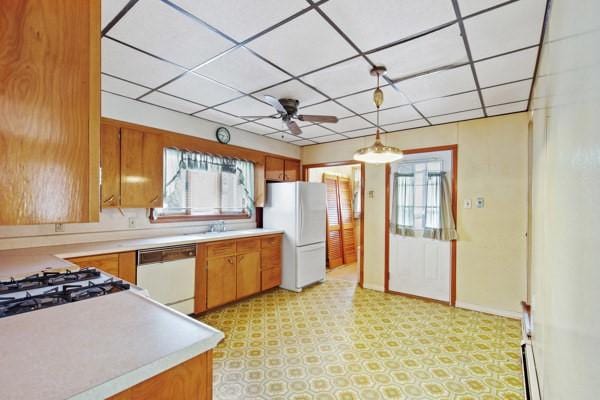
(288, 111)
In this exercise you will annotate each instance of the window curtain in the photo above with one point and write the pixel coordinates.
(439, 222)
(193, 182)
(402, 218)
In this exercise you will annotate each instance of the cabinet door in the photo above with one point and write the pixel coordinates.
(108, 263)
(220, 281)
(292, 170)
(274, 168)
(49, 111)
(141, 169)
(110, 161)
(248, 274)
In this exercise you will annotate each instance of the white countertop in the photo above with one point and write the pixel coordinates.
(97, 347)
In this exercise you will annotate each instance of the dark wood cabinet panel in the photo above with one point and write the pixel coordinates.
(274, 169)
(291, 170)
(110, 162)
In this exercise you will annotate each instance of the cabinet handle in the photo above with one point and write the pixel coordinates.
(153, 200)
(241, 258)
(110, 199)
(230, 261)
(280, 176)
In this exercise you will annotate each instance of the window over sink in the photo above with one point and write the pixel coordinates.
(205, 186)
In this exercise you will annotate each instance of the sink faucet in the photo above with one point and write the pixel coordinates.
(218, 226)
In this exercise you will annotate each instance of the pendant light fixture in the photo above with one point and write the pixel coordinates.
(378, 153)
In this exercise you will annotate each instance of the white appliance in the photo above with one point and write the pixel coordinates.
(168, 274)
(299, 209)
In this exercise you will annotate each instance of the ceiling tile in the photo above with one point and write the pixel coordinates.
(171, 102)
(154, 26)
(241, 19)
(506, 93)
(392, 115)
(349, 124)
(344, 78)
(361, 132)
(110, 9)
(325, 108)
(417, 123)
(121, 87)
(513, 26)
(121, 61)
(285, 137)
(220, 117)
(363, 102)
(370, 24)
(246, 106)
(275, 123)
(256, 128)
(242, 70)
(507, 108)
(438, 84)
(461, 116)
(512, 67)
(329, 138)
(304, 142)
(314, 131)
(450, 104)
(303, 44)
(435, 50)
(468, 7)
(199, 89)
(292, 90)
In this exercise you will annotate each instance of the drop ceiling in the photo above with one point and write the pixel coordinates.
(447, 60)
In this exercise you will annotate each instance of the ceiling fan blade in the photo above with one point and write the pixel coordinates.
(294, 128)
(318, 118)
(275, 104)
(259, 116)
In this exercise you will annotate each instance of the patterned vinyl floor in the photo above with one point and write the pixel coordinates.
(337, 341)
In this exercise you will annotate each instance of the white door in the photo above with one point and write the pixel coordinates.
(310, 264)
(311, 214)
(419, 266)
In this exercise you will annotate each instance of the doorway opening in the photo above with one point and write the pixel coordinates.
(345, 197)
(420, 224)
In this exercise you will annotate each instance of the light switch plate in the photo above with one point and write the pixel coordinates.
(59, 227)
(132, 223)
(480, 202)
(467, 203)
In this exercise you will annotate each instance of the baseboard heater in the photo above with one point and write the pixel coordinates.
(530, 376)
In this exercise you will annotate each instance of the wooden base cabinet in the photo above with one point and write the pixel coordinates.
(190, 380)
(230, 270)
(121, 265)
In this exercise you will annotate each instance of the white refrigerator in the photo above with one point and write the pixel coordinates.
(299, 209)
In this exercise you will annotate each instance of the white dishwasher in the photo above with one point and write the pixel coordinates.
(168, 273)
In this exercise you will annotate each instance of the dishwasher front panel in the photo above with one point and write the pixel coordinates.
(170, 283)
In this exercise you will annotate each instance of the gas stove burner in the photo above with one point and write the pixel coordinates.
(95, 289)
(30, 303)
(47, 279)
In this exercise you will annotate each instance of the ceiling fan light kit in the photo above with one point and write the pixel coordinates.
(378, 153)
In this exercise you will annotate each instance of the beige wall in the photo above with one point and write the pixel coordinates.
(565, 210)
(492, 163)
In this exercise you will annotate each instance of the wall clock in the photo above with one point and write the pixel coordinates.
(223, 135)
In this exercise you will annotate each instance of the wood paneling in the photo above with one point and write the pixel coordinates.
(190, 380)
(49, 111)
(347, 219)
(110, 161)
(128, 266)
(335, 253)
(108, 263)
(270, 278)
(270, 262)
(291, 170)
(220, 281)
(247, 245)
(274, 169)
(141, 169)
(248, 274)
(220, 249)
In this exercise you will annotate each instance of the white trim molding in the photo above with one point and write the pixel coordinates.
(489, 310)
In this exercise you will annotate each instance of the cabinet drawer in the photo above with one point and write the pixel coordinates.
(270, 278)
(271, 241)
(270, 258)
(247, 245)
(108, 263)
(220, 249)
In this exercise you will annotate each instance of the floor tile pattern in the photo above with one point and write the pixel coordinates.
(337, 341)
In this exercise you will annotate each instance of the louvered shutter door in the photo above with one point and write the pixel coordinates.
(345, 196)
(335, 254)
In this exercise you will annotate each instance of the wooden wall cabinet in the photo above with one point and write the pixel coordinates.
(230, 270)
(49, 111)
(132, 168)
(280, 170)
(121, 265)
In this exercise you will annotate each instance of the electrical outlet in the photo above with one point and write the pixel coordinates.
(467, 203)
(480, 202)
(132, 223)
(371, 194)
(59, 227)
